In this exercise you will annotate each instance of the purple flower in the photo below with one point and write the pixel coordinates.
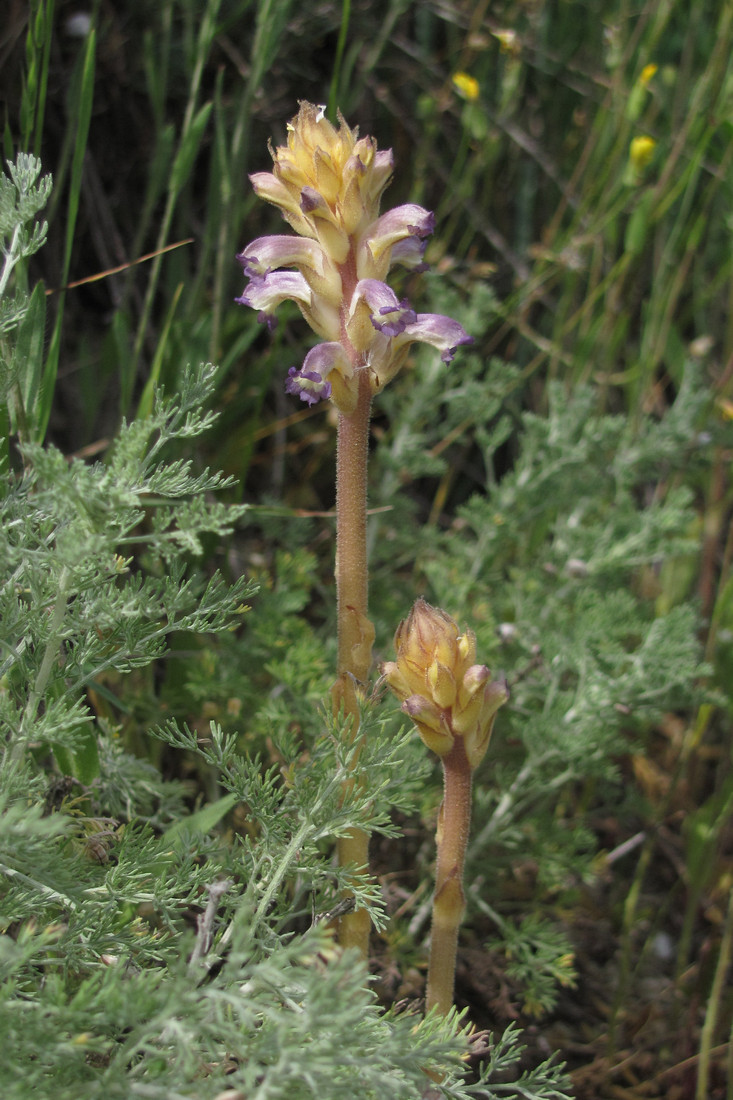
(409, 253)
(265, 293)
(307, 385)
(396, 225)
(324, 364)
(266, 254)
(387, 314)
(402, 221)
(433, 328)
(397, 320)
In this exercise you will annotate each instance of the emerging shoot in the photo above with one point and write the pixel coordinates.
(453, 702)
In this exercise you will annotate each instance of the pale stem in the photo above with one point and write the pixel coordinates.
(449, 902)
(355, 633)
(11, 258)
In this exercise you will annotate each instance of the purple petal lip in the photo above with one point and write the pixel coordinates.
(267, 254)
(251, 266)
(307, 385)
(402, 221)
(402, 317)
(383, 303)
(424, 227)
(377, 295)
(442, 332)
(325, 357)
(265, 293)
(409, 253)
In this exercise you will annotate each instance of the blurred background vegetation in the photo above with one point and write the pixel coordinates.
(564, 487)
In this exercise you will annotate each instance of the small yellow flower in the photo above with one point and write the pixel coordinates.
(641, 151)
(647, 73)
(466, 85)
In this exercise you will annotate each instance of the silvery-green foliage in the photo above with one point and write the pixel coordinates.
(74, 602)
(22, 196)
(103, 993)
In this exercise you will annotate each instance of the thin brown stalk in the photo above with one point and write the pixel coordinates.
(355, 632)
(449, 902)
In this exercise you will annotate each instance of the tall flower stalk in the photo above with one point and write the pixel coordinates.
(328, 184)
(453, 702)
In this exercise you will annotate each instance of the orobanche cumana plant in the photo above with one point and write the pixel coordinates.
(147, 949)
(328, 184)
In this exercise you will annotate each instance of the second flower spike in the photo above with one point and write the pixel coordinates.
(442, 688)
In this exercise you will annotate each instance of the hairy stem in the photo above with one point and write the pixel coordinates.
(449, 902)
(355, 632)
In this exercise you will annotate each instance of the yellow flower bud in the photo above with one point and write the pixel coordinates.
(467, 646)
(473, 680)
(641, 151)
(443, 690)
(328, 182)
(465, 85)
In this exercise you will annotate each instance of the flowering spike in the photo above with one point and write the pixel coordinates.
(328, 183)
(452, 702)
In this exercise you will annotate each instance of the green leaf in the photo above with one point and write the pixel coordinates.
(29, 356)
(639, 223)
(83, 763)
(81, 109)
(190, 143)
(203, 820)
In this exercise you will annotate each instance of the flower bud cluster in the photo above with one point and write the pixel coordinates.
(442, 688)
(328, 185)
